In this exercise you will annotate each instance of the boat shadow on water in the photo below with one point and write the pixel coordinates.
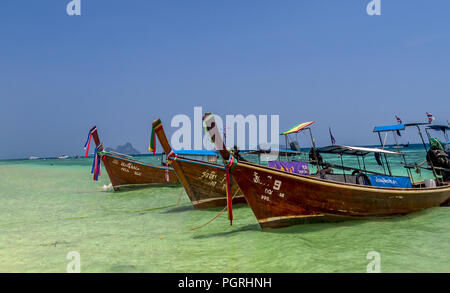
(178, 209)
(324, 225)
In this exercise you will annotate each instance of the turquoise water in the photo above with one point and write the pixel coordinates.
(51, 207)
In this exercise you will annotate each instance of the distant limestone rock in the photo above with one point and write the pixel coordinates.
(124, 149)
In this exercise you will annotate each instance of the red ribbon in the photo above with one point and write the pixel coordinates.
(87, 147)
(229, 167)
(95, 167)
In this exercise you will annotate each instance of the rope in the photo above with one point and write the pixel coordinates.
(216, 216)
(179, 198)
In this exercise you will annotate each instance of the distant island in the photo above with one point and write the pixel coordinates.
(124, 149)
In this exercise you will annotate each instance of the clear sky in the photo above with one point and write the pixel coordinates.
(124, 63)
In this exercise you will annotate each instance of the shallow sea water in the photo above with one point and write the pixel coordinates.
(51, 207)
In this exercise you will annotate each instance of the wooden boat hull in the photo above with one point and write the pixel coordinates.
(279, 198)
(124, 172)
(205, 184)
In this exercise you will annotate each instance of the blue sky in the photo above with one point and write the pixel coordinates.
(124, 63)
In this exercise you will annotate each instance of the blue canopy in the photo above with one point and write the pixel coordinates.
(389, 128)
(195, 152)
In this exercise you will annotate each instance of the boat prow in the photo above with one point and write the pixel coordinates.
(126, 172)
(204, 182)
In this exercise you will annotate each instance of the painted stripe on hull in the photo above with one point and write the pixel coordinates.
(217, 202)
(137, 162)
(212, 199)
(147, 185)
(285, 221)
(288, 217)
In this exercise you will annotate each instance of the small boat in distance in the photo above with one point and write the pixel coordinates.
(398, 146)
(279, 198)
(33, 158)
(63, 157)
(126, 172)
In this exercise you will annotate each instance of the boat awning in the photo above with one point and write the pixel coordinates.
(396, 127)
(389, 128)
(355, 151)
(195, 152)
(297, 128)
(442, 128)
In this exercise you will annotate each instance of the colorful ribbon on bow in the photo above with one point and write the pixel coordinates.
(96, 165)
(152, 144)
(171, 157)
(166, 174)
(87, 144)
(228, 169)
(88, 140)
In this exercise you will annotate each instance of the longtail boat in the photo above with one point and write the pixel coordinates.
(204, 182)
(278, 198)
(125, 172)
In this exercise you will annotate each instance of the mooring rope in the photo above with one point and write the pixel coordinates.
(181, 195)
(216, 216)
